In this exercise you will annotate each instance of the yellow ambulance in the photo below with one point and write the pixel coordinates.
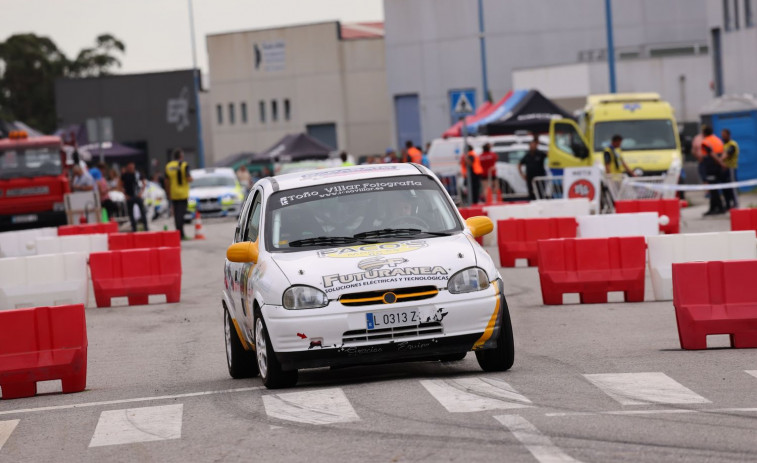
(646, 123)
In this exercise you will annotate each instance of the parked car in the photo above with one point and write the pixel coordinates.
(214, 191)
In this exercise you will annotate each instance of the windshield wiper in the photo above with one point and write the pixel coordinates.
(322, 240)
(397, 232)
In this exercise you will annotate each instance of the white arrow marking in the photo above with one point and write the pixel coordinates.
(131, 425)
(325, 406)
(475, 394)
(645, 388)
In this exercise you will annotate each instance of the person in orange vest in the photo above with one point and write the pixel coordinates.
(712, 167)
(411, 153)
(471, 162)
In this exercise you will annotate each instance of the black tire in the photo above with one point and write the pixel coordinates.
(453, 357)
(268, 365)
(500, 358)
(242, 363)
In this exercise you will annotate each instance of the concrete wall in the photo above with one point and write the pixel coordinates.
(738, 47)
(432, 46)
(326, 80)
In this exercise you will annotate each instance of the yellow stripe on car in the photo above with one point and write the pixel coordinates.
(492, 322)
(245, 344)
(381, 298)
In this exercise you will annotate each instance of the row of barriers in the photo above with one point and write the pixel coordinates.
(592, 255)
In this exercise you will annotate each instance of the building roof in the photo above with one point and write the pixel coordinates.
(369, 30)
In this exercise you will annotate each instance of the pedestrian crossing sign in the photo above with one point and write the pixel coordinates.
(462, 101)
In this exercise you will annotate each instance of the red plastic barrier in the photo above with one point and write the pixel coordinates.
(42, 344)
(668, 207)
(516, 238)
(592, 267)
(471, 211)
(743, 219)
(136, 274)
(157, 239)
(88, 229)
(717, 297)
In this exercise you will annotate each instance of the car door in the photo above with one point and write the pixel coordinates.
(567, 147)
(249, 232)
(236, 272)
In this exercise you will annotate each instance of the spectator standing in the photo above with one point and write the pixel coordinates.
(177, 187)
(471, 164)
(102, 188)
(488, 164)
(412, 154)
(82, 180)
(133, 189)
(244, 177)
(391, 156)
(731, 161)
(345, 162)
(614, 162)
(533, 162)
(713, 167)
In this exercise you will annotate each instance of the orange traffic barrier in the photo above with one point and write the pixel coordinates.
(42, 344)
(136, 274)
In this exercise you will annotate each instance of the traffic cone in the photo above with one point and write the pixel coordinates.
(488, 195)
(198, 227)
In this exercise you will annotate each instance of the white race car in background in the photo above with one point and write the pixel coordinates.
(214, 191)
(359, 265)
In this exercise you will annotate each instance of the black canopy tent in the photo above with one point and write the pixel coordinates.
(234, 160)
(533, 113)
(294, 147)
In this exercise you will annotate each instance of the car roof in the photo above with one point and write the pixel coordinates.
(345, 174)
(213, 171)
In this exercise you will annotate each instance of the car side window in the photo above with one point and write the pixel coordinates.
(253, 222)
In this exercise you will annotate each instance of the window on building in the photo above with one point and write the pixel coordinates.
(243, 112)
(727, 15)
(748, 18)
(261, 110)
(287, 109)
(274, 110)
(231, 113)
(736, 19)
(219, 114)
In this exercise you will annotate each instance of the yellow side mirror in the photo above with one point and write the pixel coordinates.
(479, 225)
(243, 252)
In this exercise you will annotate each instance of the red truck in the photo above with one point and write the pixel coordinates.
(32, 182)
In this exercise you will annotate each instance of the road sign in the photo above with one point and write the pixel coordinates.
(462, 101)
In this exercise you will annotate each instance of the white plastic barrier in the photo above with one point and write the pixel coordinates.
(502, 212)
(51, 279)
(72, 243)
(21, 242)
(575, 207)
(664, 250)
(633, 224)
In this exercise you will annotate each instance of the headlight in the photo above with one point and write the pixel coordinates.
(192, 202)
(639, 172)
(304, 297)
(468, 280)
(230, 198)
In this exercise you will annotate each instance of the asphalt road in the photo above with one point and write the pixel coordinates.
(591, 383)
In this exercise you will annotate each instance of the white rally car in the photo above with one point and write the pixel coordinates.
(359, 265)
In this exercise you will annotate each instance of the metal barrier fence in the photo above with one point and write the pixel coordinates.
(548, 187)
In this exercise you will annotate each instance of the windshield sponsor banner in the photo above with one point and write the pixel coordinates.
(326, 191)
(377, 249)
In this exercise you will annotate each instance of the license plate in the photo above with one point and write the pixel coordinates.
(24, 218)
(392, 318)
(207, 206)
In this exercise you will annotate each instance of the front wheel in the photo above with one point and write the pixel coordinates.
(500, 358)
(270, 369)
(241, 363)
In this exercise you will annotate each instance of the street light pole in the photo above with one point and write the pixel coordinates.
(196, 80)
(610, 45)
(482, 41)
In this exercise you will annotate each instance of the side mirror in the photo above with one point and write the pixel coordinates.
(479, 225)
(243, 252)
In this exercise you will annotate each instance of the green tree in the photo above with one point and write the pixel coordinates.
(29, 65)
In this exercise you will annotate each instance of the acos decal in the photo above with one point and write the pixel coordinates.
(370, 250)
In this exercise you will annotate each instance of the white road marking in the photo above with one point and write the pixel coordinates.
(126, 401)
(540, 446)
(132, 425)
(752, 372)
(645, 388)
(654, 412)
(475, 394)
(6, 428)
(325, 406)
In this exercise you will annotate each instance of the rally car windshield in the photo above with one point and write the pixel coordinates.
(373, 210)
(30, 162)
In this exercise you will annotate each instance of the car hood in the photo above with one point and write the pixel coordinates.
(373, 267)
(210, 192)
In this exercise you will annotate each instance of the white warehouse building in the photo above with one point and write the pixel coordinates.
(559, 47)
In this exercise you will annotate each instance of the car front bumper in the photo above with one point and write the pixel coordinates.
(316, 337)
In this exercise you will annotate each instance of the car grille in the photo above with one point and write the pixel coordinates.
(397, 332)
(415, 293)
(208, 204)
